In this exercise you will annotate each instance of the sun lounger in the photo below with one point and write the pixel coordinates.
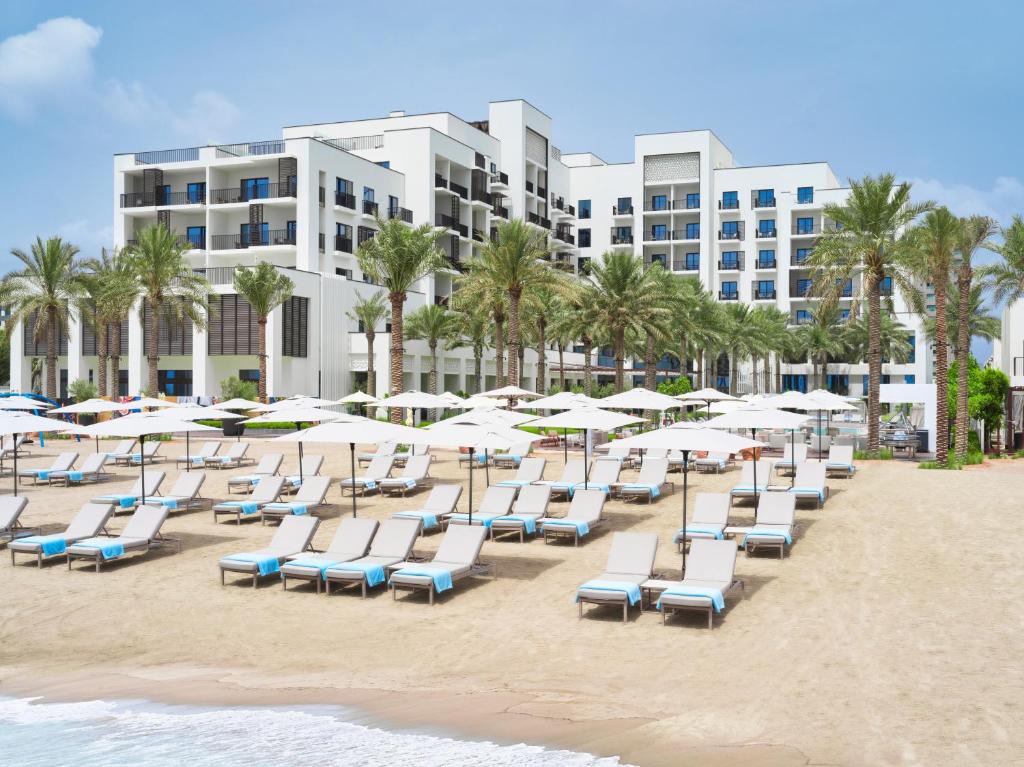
(351, 541)
(572, 475)
(91, 471)
(89, 521)
(708, 518)
(266, 492)
(623, 454)
(530, 470)
(514, 456)
(530, 507)
(778, 442)
(62, 462)
(840, 461)
(232, 459)
(267, 467)
(455, 559)
(122, 451)
(11, 507)
(583, 516)
(7, 446)
(714, 462)
(293, 536)
(391, 546)
(206, 450)
(603, 474)
(440, 504)
(745, 487)
(774, 528)
(809, 483)
(379, 468)
(415, 450)
(151, 452)
(650, 483)
(311, 465)
(654, 454)
(413, 477)
(140, 535)
(710, 567)
(128, 501)
(497, 502)
(792, 456)
(312, 493)
(184, 493)
(630, 563)
(383, 449)
(482, 457)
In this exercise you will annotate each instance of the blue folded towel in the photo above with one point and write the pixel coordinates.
(298, 509)
(294, 481)
(818, 491)
(704, 529)
(49, 544)
(582, 528)
(631, 590)
(76, 476)
(442, 578)
(43, 474)
(369, 484)
(836, 465)
(314, 564)
(247, 507)
(654, 489)
(429, 519)
(514, 483)
(715, 595)
(197, 460)
(750, 489)
(126, 501)
(109, 548)
(767, 534)
(170, 503)
(485, 521)
(529, 523)
(590, 486)
(267, 565)
(374, 573)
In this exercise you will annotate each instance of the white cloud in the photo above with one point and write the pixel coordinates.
(1004, 200)
(210, 117)
(130, 103)
(46, 65)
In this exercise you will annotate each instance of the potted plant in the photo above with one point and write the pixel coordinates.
(80, 390)
(232, 388)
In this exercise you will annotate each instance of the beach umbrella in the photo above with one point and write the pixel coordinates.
(414, 400)
(640, 399)
(19, 402)
(707, 396)
(139, 426)
(725, 406)
(151, 402)
(686, 439)
(292, 403)
(237, 404)
(564, 400)
(197, 413)
(819, 401)
(754, 418)
(587, 418)
(357, 398)
(511, 392)
(488, 416)
(13, 423)
(352, 430)
(300, 415)
(92, 406)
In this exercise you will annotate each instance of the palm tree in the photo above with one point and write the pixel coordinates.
(45, 288)
(1006, 279)
(166, 280)
(265, 288)
(476, 290)
(433, 324)
(621, 302)
(867, 237)
(821, 339)
(562, 333)
(471, 328)
(975, 232)
(541, 305)
(893, 338)
(738, 341)
(775, 339)
(581, 322)
(397, 257)
(658, 333)
(980, 323)
(708, 333)
(514, 262)
(370, 312)
(120, 297)
(931, 244)
(110, 293)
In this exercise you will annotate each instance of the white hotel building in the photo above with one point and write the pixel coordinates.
(306, 201)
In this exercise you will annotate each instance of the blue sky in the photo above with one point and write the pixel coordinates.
(929, 90)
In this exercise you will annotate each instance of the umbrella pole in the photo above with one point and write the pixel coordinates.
(352, 463)
(565, 445)
(819, 436)
(753, 453)
(188, 453)
(142, 464)
(792, 457)
(686, 476)
(298, 427)
(586, 463)
(487, 466)
(15, 438)
(471, 451)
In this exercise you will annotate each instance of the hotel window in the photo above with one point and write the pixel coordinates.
(729, 289)
(624, 205)
(802, 254)
(623, 233)
(659, 232)
(692, 262)
(766, 288)
(163, 194)
(255, 188)
(913, 349)
(909, 378)
(805, 225)
(803, 316)
(731, 259)
(346, 273)
(659, 258)
(659, 202)
(583, 265)
(583, 208)
(803, 286)
(805, 194)
(693, 200)
(886, 286)
(794, 382)
(766, 259)
(343, 186)
(290, 232)
(393, 204)
(766, 227)
(196, 236)
(845, 287)
(864, 380)
(584, 238)
(249, 375)
(730, 230)
(233, 326)
(844, 315)
(294, 326)
(766, 198)
(384, 163)
(730, 200)
(693, 231)
(196, 191)
(368, 193)
(251, 238)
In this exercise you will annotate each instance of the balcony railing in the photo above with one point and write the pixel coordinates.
(256, 192)
(479, 195)
(447, 222)
(765, 263)
(728, 204)
(622, 239)
(801, 288)
(680, 265)
(565, 237)
(734, 234)
(542, 191)
(365, 233)
(686, 204)
(686, 234)
(345, 200)
(499, 178)
(190, 154)
(440, 181)
(801, 229)
(254, 239)
(459, 189)
(657, 235)
(356, 143)
(728, 295)
(655, 206)
(501, 212)
(766, 234)
(462, 229)
(623, 211)
(570, 209)
(321, 242)
(801, 319)
(194, 241)
(761, 202)
(795, 260)
(344, 244)
(370, 208)
(251, 149)
(762, 293)
(402, 214)
(161, 198)
(558, 203)
(478, 235)
(494, 234)
(218, 275)
(539, 220)
(730, 264)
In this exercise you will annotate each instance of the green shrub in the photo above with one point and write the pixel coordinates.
(951, 464)
(232, 387)
(681, 385)
(884, 454)
(80, 390)
(279, 425)
(1019, 454)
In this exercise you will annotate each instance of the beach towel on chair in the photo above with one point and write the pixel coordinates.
(714, 595)
(374, 574)
(442, 578)
(109, 548)
(631, 590)
(49, 544)
(266, 565)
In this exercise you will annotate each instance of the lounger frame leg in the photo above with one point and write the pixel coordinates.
(625, 611)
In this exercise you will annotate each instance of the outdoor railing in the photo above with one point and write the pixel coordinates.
(343, 244)
(161, 198)
(345, 200)
(250, 149)
(256, 192)
(254, 239)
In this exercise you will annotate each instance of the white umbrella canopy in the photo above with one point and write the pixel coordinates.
(511, 392)
(832, 401)
(90, 406)
(135, 404)
(357, 398)
(724, 406)
(198, 412)
(639, 398)
(488, 416)
(453, 400)
(587, 418)
(704, 395)
(751, 417)
(294, 402)
(301, 415)
(18, 402)
(414, 399)
(564, 400)
(14, 422)
(238, 404)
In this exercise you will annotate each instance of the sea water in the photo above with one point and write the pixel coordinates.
(146, 734)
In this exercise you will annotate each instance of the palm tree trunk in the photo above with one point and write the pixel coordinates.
(941, 373)
(261, 323)
(513, 337)
(478, 369)
(561, 366)
(733, 373)
(588, 370)
(542, 359)
(115, 360)
(432, 376)
(371, 370)
(620, 359)
(52, 353)
(874, 358)
(397, 361)
(153, 346)
(650, 365)
(102, 352)
(753, 374)
(778, 373)
(963, 356)
(499, 351)
(700, 370)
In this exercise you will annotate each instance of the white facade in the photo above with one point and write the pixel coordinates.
(305, 202)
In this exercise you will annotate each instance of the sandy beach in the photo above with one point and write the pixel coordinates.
(889, 635)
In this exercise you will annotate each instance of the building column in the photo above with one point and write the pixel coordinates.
(19, 367)
(75, 367)
(137, 370)
(274, 354)
(202, 386)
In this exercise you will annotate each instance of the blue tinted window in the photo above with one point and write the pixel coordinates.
(384, 163)
(794, 382)
(196, 236)
(343, 186)
(803, 287)
(730, 259)
(803, 316)
(584, 238)
(765, 197)
(765, 287)
(730, 227)
(802, 254)
(624, 204)
(343, 230)
(805, 225)
(766, 258)
(730, 199)
(805, 194)
(692, 261)
(368, 193)
(659, 232)
(583, 208)
(659, 258)
(845, 287)
(844, 315)
(197, 191)
(909, 378)
(886, 286)
(729, 288)
(290, 229)
(255, 188)
(766, 226)
(693, 231)
(693, 200)
(659, 202)
(913, 349)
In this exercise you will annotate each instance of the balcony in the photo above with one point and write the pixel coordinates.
(499, 179)
(758, 201)
(657, 236)
(343, 244)
(478, 195)
(728, 295)
(798, 260)
(445, 222)
(622, 239)
(657, 206)
(494, 234)
(255, 192)
(681, 265)
(801, 288)
(252, 240)
(539, 220)
(542, 192)
(529, 187)
(458, 189)
(765, 263)
(193, 241)
(730, 234)
(161, 198)
(501, 212)
(685, 234)
(762, 293)
(623, 211)
(478, 235)
(440, 182)
(365, 233)
(766, 234)
(806, 230)
(558, 203)
(730, 264)
(370, 208)
(251, 148)
(345, 200)
(728, 204)
(402, 214)
(801, 318)
(565, 237)
(570, 209)
(686, 204)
